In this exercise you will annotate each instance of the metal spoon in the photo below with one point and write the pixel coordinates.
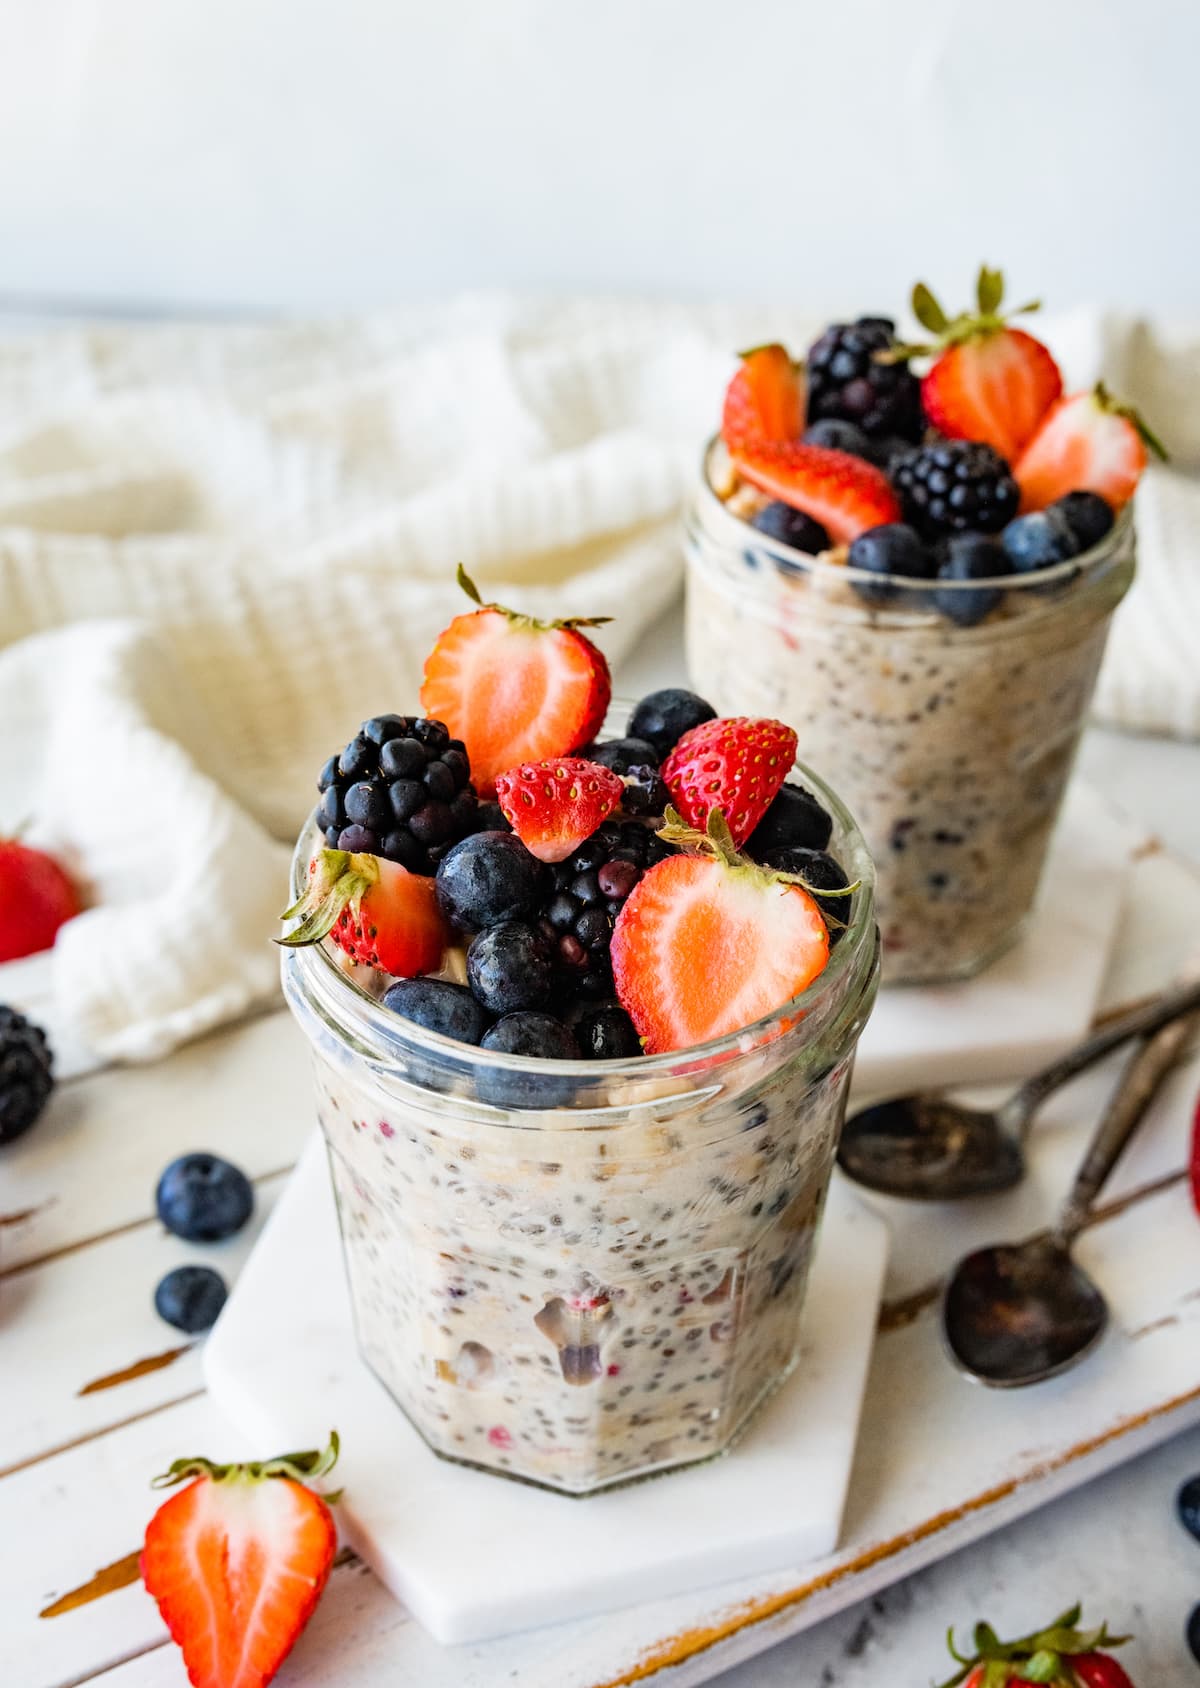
(931, 1148)
(1018, 1313)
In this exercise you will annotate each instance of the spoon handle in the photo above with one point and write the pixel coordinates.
(1139, 1022)
(1138, 1086)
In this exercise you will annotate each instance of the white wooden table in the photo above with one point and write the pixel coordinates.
(96, 1395)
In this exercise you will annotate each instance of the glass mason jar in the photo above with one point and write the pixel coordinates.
(951, 744)
(581, 1272)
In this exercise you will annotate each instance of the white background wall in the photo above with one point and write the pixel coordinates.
(283, 152)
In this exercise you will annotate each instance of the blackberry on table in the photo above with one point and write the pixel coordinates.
(400, 789)
(956, 486)
(588, 891)
(847, 383)
(26, 1079)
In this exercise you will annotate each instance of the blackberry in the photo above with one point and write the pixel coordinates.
(846, 383)
(25, 1076)
(401, 789)
(956, 486)
(588, 892)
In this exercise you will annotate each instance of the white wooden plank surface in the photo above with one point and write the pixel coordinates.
(89, 1170)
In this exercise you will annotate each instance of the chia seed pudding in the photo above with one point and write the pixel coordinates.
(602, 1275)
(951, 744)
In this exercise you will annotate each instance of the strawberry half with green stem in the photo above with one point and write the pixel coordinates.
(845, 494)
(1086, 443)
(36, 898)
(736, 764)
(378, 912)
(764, 401)
(1060, 1656)
(515, 689)
(708, 942)
(988, 381)
(238, 1560)
(553, 806)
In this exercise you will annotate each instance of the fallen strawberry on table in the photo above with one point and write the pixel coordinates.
(238, 1560)
(1060, 1656)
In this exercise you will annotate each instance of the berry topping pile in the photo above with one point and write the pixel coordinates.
(977, 470)
(643, 895)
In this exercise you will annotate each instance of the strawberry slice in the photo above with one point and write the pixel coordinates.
(845, 494)
(553, 806)
(764, 400)
(1087, 443)
(989, 382)
(735, 765)
(377, 911)
(36, 898)
(708, 943)
(237, 1562)
(514, 689)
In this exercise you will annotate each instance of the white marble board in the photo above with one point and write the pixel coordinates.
(475, 1556)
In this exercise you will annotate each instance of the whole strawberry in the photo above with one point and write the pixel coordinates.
(988, 381)
(736, 764)
(1059, 1656)
(36, 898)
(238, 1560)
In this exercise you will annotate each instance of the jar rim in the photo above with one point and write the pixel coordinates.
(1035, 582)
(355, 1012)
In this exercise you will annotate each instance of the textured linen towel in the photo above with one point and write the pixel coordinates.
(223, 546)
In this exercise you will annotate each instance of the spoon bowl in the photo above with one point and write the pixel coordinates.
(1020, 1313)
(929, 1148)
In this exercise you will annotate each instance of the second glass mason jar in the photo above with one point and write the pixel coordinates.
(951, 744)
(581, 1272)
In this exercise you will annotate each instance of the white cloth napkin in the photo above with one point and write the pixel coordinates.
(222, 546)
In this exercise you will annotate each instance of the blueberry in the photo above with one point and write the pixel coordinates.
(836, 435)
(526, 1033)
(509, 967)
(489, 877)
(794, 817)
(439, 1006)
(622, 755)
(1188, 1503)
(1088, 516)
(645, 792)
(1193, 1633)
(190, 1297)
(892, 549)
(603, 1031)
(821, 873)
(970, 556)
(792, 527)
(1038, 541)
(203, 1198)
(663, 717)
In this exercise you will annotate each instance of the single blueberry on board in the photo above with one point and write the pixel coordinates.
(203, 1198)
(190, 1298)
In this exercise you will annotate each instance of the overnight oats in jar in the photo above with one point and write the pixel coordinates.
(582, 1083)
(920, 581)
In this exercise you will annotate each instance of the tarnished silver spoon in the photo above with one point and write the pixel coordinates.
(931, 1148)
(1018, 1313)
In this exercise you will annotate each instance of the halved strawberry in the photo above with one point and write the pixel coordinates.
(764, 400)
(36, 897)
(514, 689)
(845, 494)
(237, 1562)
(708, 943)
(553, 806)
(735, 765)
(377, 911)
(990, 382)
(1087, 443)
